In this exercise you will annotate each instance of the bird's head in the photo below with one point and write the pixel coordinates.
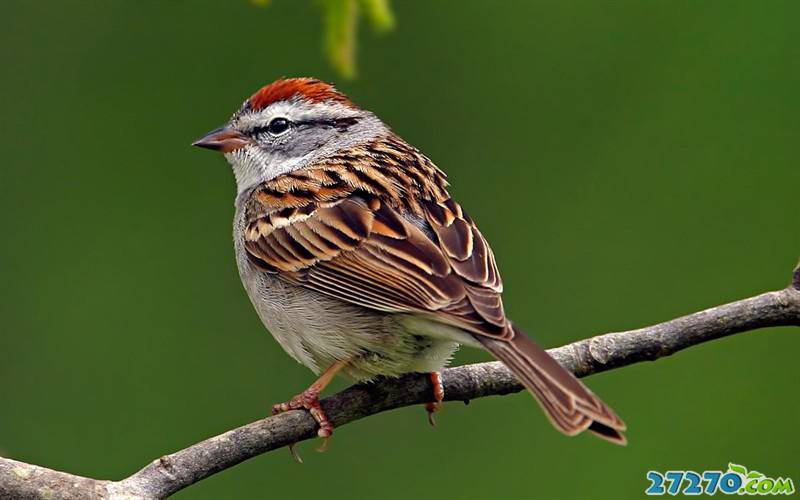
(287, 125)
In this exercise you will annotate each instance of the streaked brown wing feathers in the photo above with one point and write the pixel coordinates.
(470, 255)
(362, 250)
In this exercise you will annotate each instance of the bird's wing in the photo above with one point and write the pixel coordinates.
(334, 233)
(362, 250)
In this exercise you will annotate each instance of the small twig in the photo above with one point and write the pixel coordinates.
(174, 472)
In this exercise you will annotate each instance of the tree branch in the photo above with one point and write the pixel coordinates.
(174, 472)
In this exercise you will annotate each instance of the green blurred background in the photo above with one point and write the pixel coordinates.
(629, 161)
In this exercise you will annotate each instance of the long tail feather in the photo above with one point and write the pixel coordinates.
(570, 405)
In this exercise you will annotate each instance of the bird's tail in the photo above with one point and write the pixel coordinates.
(570, 405)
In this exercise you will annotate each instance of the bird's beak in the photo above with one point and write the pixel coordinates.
(224, 139)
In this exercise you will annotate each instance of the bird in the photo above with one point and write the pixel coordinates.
(358, 261)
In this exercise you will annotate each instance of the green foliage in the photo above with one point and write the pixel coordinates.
(340, 23)
(340, 28)
(379, 14)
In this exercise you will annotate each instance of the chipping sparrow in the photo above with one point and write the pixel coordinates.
(358, 261)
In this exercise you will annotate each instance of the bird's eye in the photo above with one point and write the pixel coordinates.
(278, 126)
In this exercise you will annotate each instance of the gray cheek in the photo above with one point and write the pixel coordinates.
(307, 141)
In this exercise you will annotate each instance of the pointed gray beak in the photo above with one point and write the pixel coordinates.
(224, 139)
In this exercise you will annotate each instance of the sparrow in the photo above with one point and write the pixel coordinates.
(359, 262)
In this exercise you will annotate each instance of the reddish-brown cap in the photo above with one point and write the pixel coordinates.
(303, 88)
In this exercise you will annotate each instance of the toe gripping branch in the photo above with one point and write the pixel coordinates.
(308, 400)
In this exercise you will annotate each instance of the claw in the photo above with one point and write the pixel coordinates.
(295, 455)
(432, 408)
(326, 444)
(438, 396)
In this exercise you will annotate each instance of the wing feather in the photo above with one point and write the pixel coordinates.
(364, 251)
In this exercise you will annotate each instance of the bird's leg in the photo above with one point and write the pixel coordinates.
(438, 396)
(309, 400)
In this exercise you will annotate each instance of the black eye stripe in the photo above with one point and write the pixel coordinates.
(339, 123)
(280, 125)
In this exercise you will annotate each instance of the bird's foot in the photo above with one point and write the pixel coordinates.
(438, 396)
(309, 400)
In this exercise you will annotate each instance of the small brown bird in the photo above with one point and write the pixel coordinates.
(358, 260)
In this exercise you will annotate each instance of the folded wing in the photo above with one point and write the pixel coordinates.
(434, 262)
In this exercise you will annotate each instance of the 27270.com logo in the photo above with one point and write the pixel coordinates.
(737, 480)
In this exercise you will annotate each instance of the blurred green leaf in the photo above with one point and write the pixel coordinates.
(754, 474)
(340, 28)
(379, 14)
(340, 34)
